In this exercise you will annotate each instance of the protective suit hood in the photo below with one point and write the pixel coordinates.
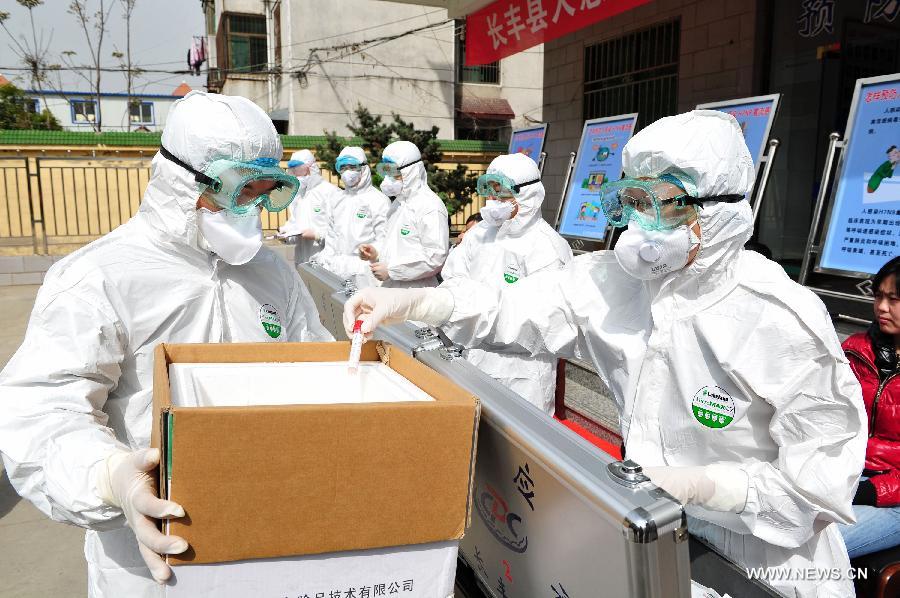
(306, 157)
(309, 182)
(365, 178)
(404, 153)
(521, 169)
(705, 145)
(201, 127)
(706, 150)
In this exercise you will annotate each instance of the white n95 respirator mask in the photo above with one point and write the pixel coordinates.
(391, 187)
(235, 238)
(652, 254)
(350, 177)
(496, 212)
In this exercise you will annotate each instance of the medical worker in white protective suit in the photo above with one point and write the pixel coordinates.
(307, 224)
(417, 237)
(733, 391)
(358, 217)
(512, 242)
(189, 267)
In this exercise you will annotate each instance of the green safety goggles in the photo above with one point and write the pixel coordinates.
(347, 163)
(654, 204)
(242, 186)
(500, 186)
(389, 168)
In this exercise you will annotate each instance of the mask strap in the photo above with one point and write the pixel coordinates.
(198, 176)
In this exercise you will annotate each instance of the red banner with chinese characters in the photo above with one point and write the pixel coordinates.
(509, 26)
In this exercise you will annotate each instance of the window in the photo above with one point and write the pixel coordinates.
(32, 105)
(486, 73)
(141, 112)
(83, 111)
(245, 42)
(637, 72)
(482, 129)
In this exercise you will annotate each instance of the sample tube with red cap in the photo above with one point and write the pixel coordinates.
(356, 344)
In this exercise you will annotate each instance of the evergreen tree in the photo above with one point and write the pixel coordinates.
(15, 113)
(455, 187)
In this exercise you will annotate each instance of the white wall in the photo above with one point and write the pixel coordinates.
(114, 112)
(412, 76)
(522, 84)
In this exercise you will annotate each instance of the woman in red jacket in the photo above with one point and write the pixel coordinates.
(873, 357)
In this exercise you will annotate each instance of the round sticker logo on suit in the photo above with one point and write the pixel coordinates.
(713, 407)
(270, 320)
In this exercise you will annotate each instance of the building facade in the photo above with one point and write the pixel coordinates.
(79, 111)
(310, 64)
(667, 56)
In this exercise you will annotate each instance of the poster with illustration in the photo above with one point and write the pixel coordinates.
(755, 116)
(599, 160)
(863, 224)
(529, 141)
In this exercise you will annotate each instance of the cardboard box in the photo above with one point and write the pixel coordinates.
(421, 571)
(287, 480)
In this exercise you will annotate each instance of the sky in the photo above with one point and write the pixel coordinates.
(161, 33)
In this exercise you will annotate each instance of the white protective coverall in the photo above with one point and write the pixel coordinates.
(502, 256)
(310, 209)
(80, 385)
(731, 323)
(417, 238)
(358, 216)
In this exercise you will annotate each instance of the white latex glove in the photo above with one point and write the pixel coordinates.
(310, 235)
(376, 306)
(368, 252)
(124, 481)
(380, 271)
(717, 487)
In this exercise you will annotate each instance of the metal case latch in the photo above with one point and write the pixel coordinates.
(627, 473)
(349, 288)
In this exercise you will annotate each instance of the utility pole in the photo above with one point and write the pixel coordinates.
(270, 7)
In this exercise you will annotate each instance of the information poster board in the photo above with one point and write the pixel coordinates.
(863, 225)
(755, 116)
(529, 141)
(599, 160)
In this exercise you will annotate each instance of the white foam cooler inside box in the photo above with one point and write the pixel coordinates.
(307, 383)
(421, 571)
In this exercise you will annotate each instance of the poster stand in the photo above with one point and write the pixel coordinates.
(530, 141)
(562, 196)
(855, 226)
(759, 190)
(762, 149)
(598, 160)
(813, 241)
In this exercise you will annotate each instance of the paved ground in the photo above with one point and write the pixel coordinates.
(40, 558)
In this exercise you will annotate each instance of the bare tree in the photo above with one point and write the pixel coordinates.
(32, 53)
(131, 72)
(97, 22)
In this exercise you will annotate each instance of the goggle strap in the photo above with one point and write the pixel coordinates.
(516, 188)
(698, 201)
(198, 176)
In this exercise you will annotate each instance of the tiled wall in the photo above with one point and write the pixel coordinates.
(718, 61)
